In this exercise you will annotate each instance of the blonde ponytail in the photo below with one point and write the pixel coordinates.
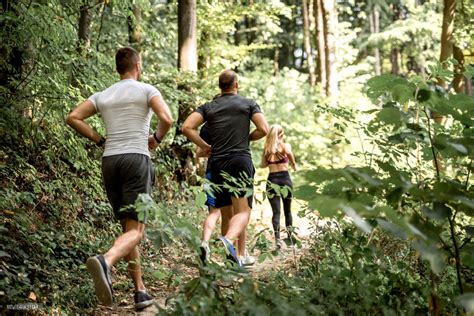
(273, 141)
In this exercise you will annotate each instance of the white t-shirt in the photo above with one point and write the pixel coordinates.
(125, 110)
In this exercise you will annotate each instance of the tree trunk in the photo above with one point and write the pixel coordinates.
(330, 35)
(250, 25)
(237, 33)
(459, 79)
(284, 58)
(447, 30)
(374, 23)
(394, 57)
(187, 62)
(446, 43)
(276, 66)
(134, 29)
(307, 44)
(296, 59)
(321, 45)
(204, 61)
(187, 40)
(84, 29)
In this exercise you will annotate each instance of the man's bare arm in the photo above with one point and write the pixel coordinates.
(190, 131)
(165, 120)
(76, 119)
(201, 153)
(261, 127)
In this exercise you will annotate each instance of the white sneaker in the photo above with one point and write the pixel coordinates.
(247, 260)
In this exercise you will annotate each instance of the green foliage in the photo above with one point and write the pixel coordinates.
(53, 208)
(415, 184)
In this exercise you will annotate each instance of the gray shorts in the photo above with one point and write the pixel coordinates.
(125, 177)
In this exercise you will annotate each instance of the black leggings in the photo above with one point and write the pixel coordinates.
(281, 179)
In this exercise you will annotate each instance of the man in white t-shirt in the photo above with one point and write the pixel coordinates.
(126, 108)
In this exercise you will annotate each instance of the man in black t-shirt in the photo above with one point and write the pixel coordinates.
(228, 118)
(215, 213)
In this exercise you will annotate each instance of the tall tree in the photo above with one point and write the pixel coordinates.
(187, 38)
(84, 29)
(446, 42)
(321, 45)
(330, 35)
(459, 79)
(134, 28)
(251, 25)
(187, 62)
(307, 43)
(447, 30)
(395, 51)
(374, 24)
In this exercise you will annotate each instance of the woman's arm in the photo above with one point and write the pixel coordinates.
(290, 155)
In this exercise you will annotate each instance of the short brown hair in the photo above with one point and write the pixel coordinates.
(227, 79)
(125, 59)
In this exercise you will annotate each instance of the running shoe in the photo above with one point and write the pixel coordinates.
(205, 252)
(247, 260)
(101, 275)
(230, 251)
(142, 299)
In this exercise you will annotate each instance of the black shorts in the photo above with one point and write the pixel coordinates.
(232, 176)
(125, 177)
(280, 179)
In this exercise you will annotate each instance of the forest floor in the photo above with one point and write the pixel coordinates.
(286, 259)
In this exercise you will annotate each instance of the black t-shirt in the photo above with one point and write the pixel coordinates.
(205, 135)
(228, 120)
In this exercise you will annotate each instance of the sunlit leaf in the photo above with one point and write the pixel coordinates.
(392, 228)
(358, 220)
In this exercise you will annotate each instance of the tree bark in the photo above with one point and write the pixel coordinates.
(459, 79)
(187, 39)
(394, 57)
(307, 44)
(250, 24)
(447, 30)
(84, 29)
(321, 45)
(204, 60)
(134, 29)
(374, 24)
(276, 66)
(187, 62)
(330, 34)
(237, 33)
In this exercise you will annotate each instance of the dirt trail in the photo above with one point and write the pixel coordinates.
(260, 220)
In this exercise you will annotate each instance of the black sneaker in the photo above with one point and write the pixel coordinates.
(101, 275)
(142, 300)
(205, 252)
